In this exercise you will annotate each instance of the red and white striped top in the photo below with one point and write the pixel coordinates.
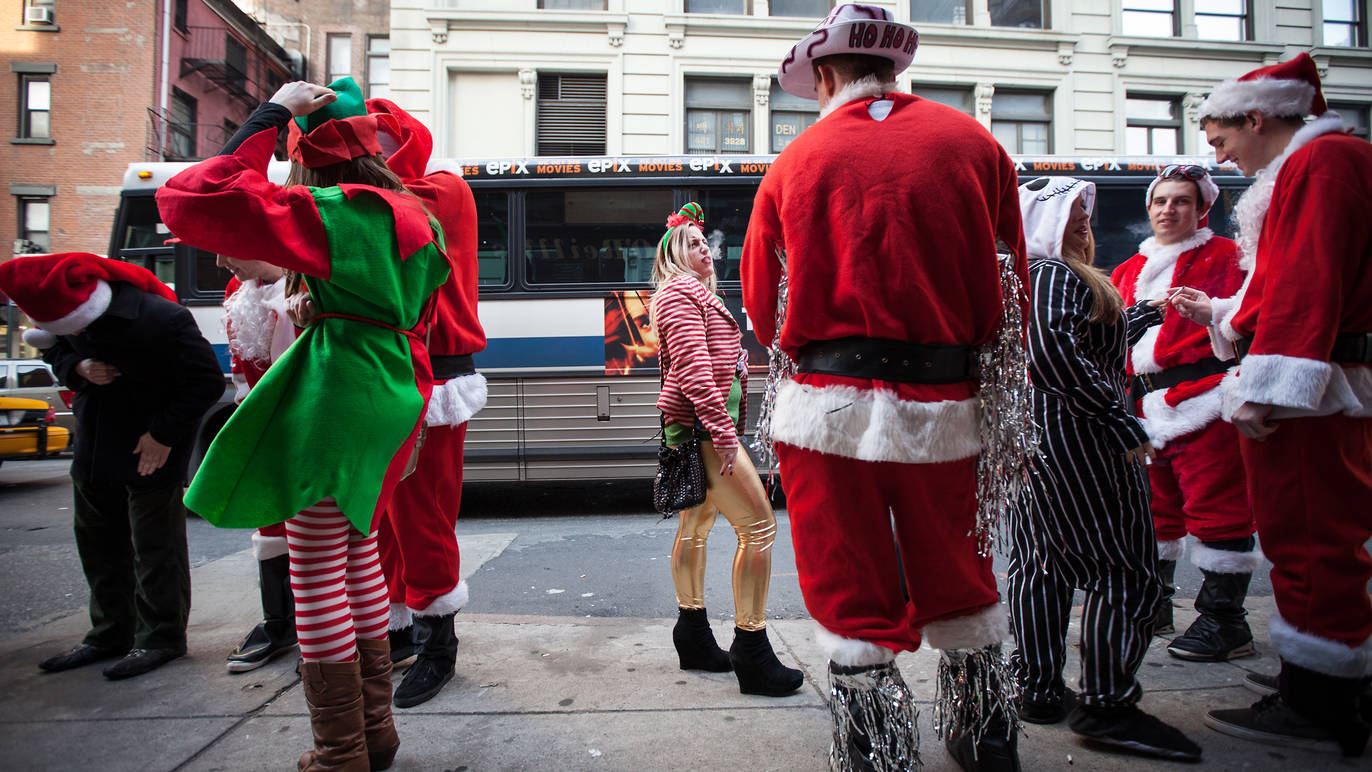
(703, 346)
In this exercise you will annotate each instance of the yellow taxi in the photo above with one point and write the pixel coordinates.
(28, 429)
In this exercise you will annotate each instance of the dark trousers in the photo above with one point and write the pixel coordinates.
(132, 542)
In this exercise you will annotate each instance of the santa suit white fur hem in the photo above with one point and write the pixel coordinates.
(456, 400)
(1322, 655)
(1225, 561)
(1172, 549)
(267, 547)
(851, 652)
(1299, 387)
(987, 626)
(450, 602)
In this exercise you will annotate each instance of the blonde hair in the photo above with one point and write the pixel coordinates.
(670, 261)
(1107, 303)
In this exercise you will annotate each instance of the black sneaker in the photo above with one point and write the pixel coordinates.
(1130, 729)
(140, 661)
(1047, 711)
(1260, 684)
(260, 646)
(80, 656)
(1210, 639)
(1270, 720)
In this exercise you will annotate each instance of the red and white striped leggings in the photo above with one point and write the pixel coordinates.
(340, 592)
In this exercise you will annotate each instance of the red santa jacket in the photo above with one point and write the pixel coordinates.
(704, 350)
(1311, 277)
(1206, 262)
(889, 228)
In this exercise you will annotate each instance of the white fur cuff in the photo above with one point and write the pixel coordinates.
(267, 547)
(1320, 654)
(1272, 379)
(1225, 561)
(851, 652)
(874, 425)
(450, 602)
(456, 400)
(401, 617)
(976, 630)
(1171, 550)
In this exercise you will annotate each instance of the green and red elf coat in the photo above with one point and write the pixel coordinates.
(338, 414)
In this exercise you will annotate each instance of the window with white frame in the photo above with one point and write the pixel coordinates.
(742, 7)
(1022, 121)
(808, 8)
(34, 225)
(719, 115)
(1149, 18)
(1017, 13)
(790, 116)
(1222, 19)
(339, 58)
(38, 12)
(1345, 23)
(35, 105)
(1355, 115)
(940, 11)
(960, 99)
(378, 67)
(570, 114)
(1153, 125)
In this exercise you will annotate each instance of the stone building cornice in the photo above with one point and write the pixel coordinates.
(611, 23)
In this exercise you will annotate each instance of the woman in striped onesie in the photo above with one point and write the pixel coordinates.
(1087, 522)
(704, 390)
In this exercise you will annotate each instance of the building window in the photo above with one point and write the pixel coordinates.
(1149, 18)
(940, 11)
(35, 105)
(573, 5)
(1345, 23)
(179, 15)
(959, 99)
(1222, 19)
(40, 11)
(181, 130)
(719, 116)
(1016, 13)
(235, 63)
(1022, 121)
(1353, 114)
(1153, 126)
(570, 118)
(379, 66)
(340, 57)
(790, 116)
(33, 226)
(806, 8)
(744, 7)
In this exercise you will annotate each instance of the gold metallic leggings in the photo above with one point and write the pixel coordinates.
(743, 501)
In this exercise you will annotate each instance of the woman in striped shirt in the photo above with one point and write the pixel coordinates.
(704, 391)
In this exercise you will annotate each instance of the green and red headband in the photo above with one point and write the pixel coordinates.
(691, 214)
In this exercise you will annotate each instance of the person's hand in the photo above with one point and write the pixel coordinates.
(300, 309)
(97, 372)
(151, 454)
(1251, 419)
(1192, 304)
(726, 465)
(1143, 454)
(303, 98)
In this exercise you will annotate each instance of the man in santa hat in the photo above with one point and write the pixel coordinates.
(893, 208)
(1197, 478)
(143, 377)
(1302, 326)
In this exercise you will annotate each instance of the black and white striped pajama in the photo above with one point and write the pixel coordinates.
(1086, 523)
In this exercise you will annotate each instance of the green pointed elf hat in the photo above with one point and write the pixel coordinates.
(350, 103)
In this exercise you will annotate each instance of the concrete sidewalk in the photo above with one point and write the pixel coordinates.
(534, 693)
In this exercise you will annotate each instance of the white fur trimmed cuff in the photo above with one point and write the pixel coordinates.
(267, 547)
(1320, 654)
(450, 602)
(1273, 379)
(874, 425)
(456, 400)
(1225, 561)
(976, 630)
(401, 617)
(1171, 550)
(852, 652)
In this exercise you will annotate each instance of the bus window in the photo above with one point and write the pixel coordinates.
(727, 211)
(210, 279)
(493, 238)
(143, 226)
(594, 235)
(1119, 222)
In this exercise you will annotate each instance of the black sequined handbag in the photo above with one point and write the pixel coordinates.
(680, 480)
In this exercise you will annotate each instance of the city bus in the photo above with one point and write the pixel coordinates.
(566, 248)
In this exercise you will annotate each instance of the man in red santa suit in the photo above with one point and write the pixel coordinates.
(259, 331)
(886, 214)
(419, 550)
(1303, 398)
(1197, 478)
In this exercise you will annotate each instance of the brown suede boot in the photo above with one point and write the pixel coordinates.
(333, 690)
(382, 741)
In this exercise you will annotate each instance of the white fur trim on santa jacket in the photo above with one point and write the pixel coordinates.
(1319, 654)
(456, 400)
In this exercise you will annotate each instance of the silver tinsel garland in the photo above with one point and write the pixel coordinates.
(972, 687)
(780, 368)
(876, 705)
(1009, 437)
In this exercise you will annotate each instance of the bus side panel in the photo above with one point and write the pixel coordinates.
(590, 427)
(491, 451)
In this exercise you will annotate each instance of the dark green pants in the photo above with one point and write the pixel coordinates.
(132, 542)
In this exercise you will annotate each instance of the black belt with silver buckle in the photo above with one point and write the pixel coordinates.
(1349, 347)
(1166, 379)
(889, 360)
(451, 367)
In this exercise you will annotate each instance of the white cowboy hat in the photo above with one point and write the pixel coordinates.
(850, 28)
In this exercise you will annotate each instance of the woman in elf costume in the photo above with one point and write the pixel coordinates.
(324, 438)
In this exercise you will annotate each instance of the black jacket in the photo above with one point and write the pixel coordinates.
(169, 377)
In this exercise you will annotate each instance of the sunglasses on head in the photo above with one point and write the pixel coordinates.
(1189, 171)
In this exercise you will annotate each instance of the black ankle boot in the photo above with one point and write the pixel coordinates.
(403, 648)
(757, 667)
(874, 719)
(695, 643)
(1221, 631)
(980, 725)
(435, 660)
(275, 634)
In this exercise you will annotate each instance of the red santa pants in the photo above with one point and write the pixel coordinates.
(1311, 483)
(849, 517)
(418, 545)
(1198, 486)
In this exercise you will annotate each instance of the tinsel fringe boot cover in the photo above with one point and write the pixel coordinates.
(874, 719)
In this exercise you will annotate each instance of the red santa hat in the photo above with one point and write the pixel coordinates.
(1291, 88)
(64, 293)
(850, 28)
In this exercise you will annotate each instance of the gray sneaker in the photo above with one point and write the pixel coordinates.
(1270, 720)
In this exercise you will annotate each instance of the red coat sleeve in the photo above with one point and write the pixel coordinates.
(759, 268)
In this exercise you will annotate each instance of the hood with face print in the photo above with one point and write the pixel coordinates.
(1046, 205)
